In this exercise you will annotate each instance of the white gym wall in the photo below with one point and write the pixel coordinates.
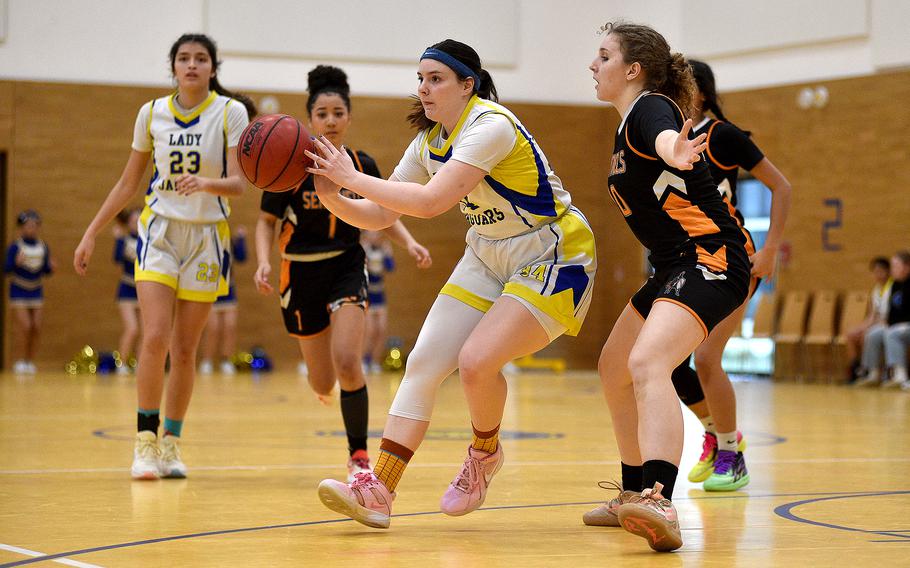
(537, 50)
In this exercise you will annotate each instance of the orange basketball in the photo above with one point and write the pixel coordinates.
(271, 152)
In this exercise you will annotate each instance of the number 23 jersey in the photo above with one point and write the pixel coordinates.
(194, 141)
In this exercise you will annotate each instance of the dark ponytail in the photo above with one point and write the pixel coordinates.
(704, 79)
(465, 54)
(209, 45)
(486, 89)
(665, 72)
(327, 79)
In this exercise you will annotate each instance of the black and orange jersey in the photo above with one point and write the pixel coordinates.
(673, 213)
(307, 227)
(729, 149)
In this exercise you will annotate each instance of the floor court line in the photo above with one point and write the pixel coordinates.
(816, 497)
(42, 555)
(786, 511)
(562, 463)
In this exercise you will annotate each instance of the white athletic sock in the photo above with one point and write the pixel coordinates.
(899, 374)
(727, 441)
(708, 423)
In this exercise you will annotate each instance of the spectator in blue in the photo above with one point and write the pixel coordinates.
(126, 245)
(28, 261)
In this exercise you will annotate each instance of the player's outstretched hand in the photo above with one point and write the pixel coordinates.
(331, 162)
(686, 152)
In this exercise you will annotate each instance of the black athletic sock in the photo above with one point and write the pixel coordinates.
(355, 410)
(148, 420)
(632, 478)
(660, 471)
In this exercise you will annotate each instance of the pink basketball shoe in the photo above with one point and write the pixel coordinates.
(366, 500)
(469, 488)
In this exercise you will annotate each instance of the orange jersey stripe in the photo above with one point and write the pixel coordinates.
(631, 147)
(710, 155)
(284, 279)
(287, 230)
(750, 245)
(357, 161)
(692, 219)
(716, 262)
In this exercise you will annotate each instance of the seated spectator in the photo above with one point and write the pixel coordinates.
(880, 269)
(895, 336)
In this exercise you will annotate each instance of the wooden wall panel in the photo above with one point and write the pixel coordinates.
(6, 115)
(71, 143)
(855, 150)
(67, 145)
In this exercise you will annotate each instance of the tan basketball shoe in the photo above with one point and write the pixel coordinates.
(605, 515)
(653, 518)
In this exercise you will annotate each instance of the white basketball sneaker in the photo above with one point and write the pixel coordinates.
(169, 463)
(145, 456)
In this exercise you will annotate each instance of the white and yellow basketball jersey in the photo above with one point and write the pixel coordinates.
(520, 191)
(193, 142)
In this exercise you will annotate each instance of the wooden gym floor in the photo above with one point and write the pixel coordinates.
(829, 472)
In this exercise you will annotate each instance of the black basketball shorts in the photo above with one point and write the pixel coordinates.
(710, 290)
(311, 291)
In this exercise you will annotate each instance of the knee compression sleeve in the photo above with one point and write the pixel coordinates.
(687, 385)
(435, 356)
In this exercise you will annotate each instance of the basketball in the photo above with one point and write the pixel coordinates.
(271, 152)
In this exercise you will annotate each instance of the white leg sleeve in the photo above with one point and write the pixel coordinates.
(435, 356)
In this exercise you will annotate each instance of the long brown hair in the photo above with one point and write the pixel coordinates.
(665, 72)
(465, 54)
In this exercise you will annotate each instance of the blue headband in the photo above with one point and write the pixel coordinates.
(453, 63)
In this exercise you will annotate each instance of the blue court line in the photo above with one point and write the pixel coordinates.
(786, 511)
(756, 439)
(832, 495)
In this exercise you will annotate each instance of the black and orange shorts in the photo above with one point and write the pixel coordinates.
(709, 293)
(314, 290)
